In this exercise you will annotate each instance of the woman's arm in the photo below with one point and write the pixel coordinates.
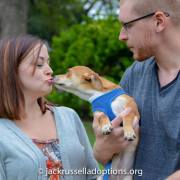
(2, 172)
(91, 163)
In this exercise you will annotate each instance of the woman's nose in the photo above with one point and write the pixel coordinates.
(48, 71)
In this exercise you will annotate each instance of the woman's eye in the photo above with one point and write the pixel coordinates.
(39, 65)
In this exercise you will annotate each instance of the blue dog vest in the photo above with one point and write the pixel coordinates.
(103, 104)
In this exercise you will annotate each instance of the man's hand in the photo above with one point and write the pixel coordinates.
(174, 176)
(108, 145)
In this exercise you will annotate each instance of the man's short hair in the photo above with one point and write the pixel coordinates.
(143, 7)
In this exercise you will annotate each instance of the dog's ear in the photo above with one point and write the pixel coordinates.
(94, 79)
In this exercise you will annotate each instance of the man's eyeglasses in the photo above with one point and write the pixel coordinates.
(127, 25)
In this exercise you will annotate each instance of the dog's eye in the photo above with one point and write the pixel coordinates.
(68, 74)
(88, 79)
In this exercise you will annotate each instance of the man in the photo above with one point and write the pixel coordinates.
(151, 30)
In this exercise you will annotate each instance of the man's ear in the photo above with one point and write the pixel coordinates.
(94, 79)
(161, 20)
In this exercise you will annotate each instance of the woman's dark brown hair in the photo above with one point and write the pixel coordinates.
(12, 52)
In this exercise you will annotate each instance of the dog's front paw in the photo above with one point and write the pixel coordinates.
(107, 129)
(129, 134)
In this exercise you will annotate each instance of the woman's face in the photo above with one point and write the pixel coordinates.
(38, 84)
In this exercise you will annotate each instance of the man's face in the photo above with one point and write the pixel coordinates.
(137, 34)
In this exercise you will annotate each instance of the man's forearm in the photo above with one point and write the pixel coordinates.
(174, 176)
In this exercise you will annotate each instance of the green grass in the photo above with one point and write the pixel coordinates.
(89, 131)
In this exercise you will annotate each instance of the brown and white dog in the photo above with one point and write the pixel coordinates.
(88, 85)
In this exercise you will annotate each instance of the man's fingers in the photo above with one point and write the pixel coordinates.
(125, 112)
(136, 122)
(115, 122)
(119, 133)
(118, 120)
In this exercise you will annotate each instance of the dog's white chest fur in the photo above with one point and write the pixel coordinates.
(118, 105)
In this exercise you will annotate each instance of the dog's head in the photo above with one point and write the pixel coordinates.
(79, 80)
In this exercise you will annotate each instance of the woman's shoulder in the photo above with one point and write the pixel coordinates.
(4, 125)
(65, 113)
(5, 130)
(67, 118)
(63, 110)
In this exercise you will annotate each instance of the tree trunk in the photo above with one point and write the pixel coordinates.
(13, 17)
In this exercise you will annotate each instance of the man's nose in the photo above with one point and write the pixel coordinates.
(123, 35)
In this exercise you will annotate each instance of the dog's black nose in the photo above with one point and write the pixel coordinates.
(55, 79)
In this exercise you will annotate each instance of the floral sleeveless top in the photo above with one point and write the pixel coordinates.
(53, 157)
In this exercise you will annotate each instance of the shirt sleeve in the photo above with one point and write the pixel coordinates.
(2, 171)
(124, 83)
(91, 163)
(130, 77)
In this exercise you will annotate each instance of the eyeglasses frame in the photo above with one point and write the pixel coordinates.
(125, 25)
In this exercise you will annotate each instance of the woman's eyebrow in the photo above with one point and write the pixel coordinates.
(44, 59)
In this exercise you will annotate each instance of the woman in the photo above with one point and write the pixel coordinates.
(37, 141)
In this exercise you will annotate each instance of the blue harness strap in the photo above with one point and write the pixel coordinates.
(103, 104)
(107, 166)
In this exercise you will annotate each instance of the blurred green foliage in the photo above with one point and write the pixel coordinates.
(94, 44)
(90, 133)
(46, 17)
